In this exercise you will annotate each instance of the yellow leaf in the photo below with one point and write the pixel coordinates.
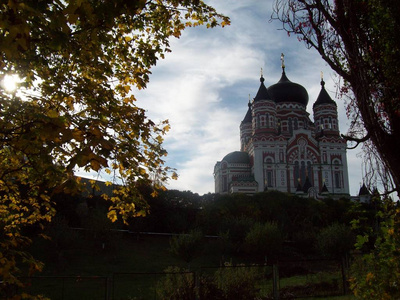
(112, 215)
(52, 113)
(72, 18)
(95, 165)
(127, 88)
(78, 135)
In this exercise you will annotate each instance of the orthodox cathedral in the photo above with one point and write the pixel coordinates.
(282, 149)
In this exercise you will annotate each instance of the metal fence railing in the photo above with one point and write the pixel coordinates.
(138, 285)
(67, 287)
(294, 279)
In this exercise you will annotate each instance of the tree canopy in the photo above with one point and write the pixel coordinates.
(80, 62)
(360, 41)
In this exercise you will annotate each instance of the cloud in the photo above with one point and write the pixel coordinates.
(202, 87)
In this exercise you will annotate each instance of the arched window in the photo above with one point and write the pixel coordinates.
(268, 172)
(296, 171)
(309, 170)
(337, 174)
(302, 172)
(337, 179)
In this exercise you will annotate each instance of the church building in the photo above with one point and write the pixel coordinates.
(282, 149)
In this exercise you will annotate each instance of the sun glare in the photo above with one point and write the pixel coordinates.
(10, 82)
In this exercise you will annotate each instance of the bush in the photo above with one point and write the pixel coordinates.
(264, 240)
(235, 230)
(237, 282)
(376, 274)
(304, 238)
(176, 285)
(187, 246)
(335, 241)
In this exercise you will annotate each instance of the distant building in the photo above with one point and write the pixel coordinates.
(282, 149)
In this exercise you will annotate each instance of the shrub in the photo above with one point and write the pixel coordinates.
(264, 240)
(335, 240)
(237, 282)
(187, 246)
(177, 284)
(376, 274)
(235, 229)
(304, 238)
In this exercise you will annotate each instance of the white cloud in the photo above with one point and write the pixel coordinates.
(202, 87)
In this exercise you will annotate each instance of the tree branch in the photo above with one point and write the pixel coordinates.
(357, 140)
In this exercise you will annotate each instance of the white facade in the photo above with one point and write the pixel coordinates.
(282, 149)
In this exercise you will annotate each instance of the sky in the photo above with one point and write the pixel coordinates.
(203, 88)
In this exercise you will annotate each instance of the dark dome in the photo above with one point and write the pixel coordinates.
(363, 191)
(286, 91)
(238, 157)
(262, 93)
(248, 118)
(323, 97)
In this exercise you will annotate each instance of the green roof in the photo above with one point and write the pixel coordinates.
(237, 157)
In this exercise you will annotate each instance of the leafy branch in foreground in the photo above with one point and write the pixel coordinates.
(80, 61)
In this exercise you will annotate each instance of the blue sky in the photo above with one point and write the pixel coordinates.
(203, 88)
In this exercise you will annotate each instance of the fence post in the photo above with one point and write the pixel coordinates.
(275, 281)
(344, 279)
(108, 282)
(196, 285)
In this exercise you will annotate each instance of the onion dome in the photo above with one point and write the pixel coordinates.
(323, 97)
(247, 117)
(237, 157)
(286, 91)
(262, 93)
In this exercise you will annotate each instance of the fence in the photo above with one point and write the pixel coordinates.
(285, 280)
(144, 285)
(67, 287)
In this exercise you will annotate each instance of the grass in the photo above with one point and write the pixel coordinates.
(343, 297)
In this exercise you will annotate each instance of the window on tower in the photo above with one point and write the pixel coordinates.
(262, 121)
(271, 122)
(268, 179)
(290, 126)
(337, 180)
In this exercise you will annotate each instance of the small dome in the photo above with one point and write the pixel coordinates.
(248, 118)
(286, 91)
(238, 157)
(262, 93)
(323, 97)
(363, 191)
